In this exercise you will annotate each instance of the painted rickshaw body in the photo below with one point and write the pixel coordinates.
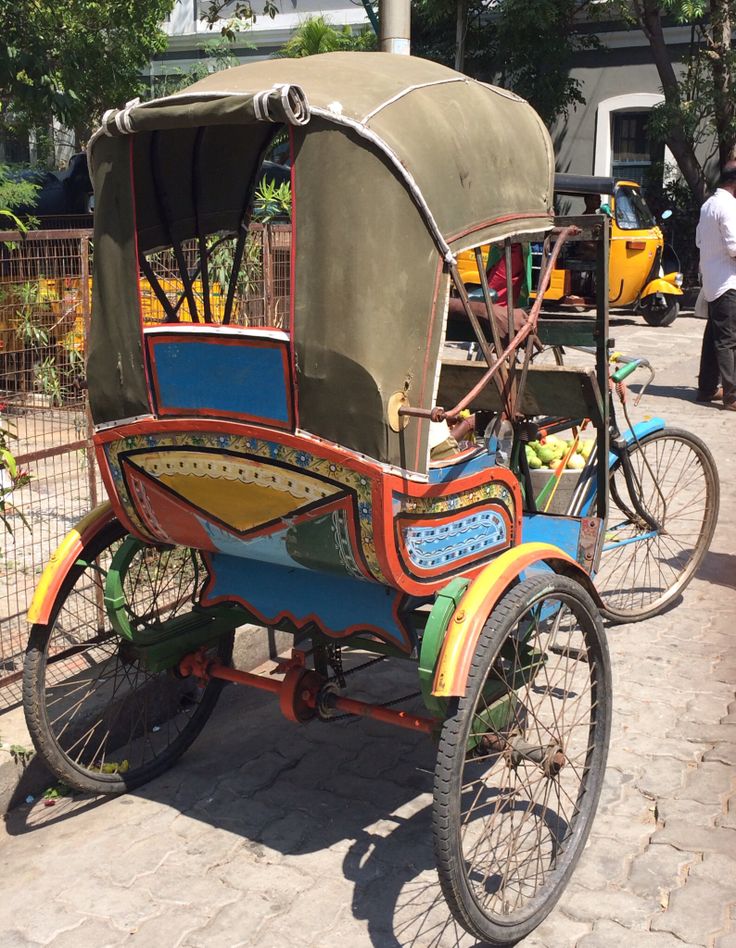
(287, 472)
(273, 451)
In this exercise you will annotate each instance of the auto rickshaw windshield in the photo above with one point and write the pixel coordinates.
(632, 212)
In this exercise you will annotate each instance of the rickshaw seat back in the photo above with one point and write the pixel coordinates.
(574, 392)
(223, 372)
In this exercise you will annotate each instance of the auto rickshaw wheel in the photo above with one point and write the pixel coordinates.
(521, 759)
(643, 570)
(662, 316)
(99, 720)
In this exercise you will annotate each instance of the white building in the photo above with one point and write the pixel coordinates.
(189, 33)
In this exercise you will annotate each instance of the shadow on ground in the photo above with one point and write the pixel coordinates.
(359, 788)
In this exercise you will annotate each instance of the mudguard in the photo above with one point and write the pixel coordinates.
(484, 592)
(665, 284)
(63, 559)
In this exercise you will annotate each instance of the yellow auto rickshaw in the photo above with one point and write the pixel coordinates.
(643, 271)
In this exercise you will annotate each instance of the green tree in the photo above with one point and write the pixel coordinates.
(527, 46)
(317, 35)
(71, 59)
(699, 109)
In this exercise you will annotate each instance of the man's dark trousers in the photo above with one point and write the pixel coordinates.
(718, 355)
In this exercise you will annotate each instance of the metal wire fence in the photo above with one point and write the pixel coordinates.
(45, 299)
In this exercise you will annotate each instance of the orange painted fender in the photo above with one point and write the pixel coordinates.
(485, 591)
(63, 559)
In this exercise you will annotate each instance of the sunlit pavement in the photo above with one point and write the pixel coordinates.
(272, 835)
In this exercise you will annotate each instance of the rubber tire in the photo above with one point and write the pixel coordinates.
(661, 317)
(451, 756)
(34, 698)
(618, 615)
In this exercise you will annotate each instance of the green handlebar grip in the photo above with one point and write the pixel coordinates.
(625, 371)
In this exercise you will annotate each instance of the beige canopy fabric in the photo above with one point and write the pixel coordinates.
(398, 164)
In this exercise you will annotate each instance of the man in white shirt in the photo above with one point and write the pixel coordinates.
(716, 238)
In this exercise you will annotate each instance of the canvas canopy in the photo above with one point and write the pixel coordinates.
(398, 163)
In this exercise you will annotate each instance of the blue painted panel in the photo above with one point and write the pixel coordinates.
(429, 547)
(234, 378)
(337, 603)
(563, 532)
(480, 462)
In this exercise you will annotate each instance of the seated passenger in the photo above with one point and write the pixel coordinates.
(458, 326)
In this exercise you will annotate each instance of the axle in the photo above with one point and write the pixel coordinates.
(303, 694)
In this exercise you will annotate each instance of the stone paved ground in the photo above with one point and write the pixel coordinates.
(270, 835)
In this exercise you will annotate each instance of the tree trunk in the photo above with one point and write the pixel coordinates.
(649, 14)
(461, 27)
(719, 50)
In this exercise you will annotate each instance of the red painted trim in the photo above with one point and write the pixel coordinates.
(384, 517)
(292, 277)
(114, 497)
(172, 335)
(138, 273)
(495, 220)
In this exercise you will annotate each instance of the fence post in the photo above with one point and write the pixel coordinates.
(86, 319)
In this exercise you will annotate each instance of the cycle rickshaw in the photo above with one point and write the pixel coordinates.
(285, 476)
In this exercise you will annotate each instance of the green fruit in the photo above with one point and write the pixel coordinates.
(533, 460)
(585, 448)
(546, 453)
(576, 462)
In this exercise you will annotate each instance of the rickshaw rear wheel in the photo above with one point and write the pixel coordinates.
(643, 571)
(98, 719)
(521, 759)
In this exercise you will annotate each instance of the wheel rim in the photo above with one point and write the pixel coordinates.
(524, 809)
(642, 569)
(107, 715)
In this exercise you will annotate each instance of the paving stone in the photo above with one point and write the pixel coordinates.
(696, 912)
(709, 783)
(557, 930)
(726, 941)
(689, 811)
(689, 838)
(608, 934)
(89, 932)
(657, 870)
(661, 776)
(12, 938)
(717, 868)
(587, 905)
(725, 752)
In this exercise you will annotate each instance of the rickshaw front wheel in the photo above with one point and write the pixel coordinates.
(99, 720)
(661, 316)
(521, 759)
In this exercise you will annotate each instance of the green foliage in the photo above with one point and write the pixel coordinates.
(524, 45)
(21, 755)
(272, 201)
(241, 16)
(217, 56)
(74, 58)
(317, 35)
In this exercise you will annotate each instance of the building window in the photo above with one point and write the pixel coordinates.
(622, 148)
(632, 152)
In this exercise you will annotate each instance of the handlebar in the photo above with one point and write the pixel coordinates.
(629, 365)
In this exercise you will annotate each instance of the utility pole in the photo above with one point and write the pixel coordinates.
(395, 21)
